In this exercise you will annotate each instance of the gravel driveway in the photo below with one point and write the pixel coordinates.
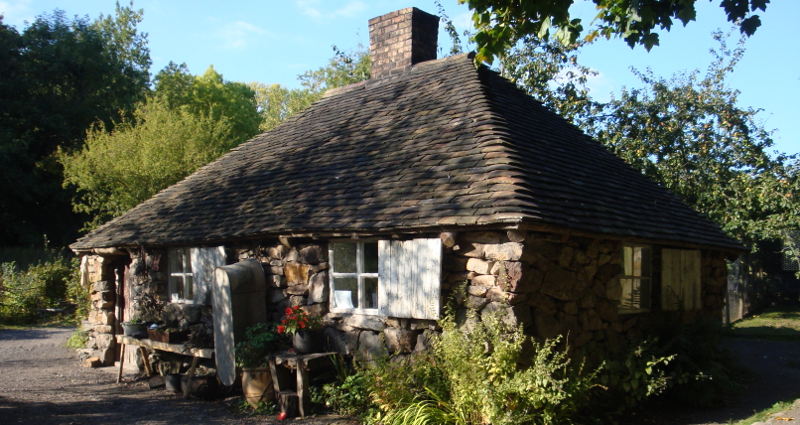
(41, 382)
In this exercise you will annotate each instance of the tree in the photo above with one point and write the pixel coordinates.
(116, 170)
(549, 71)
(689, 134)
(502, 23)
(210, 96)
(187, 122)
(277, 103)
(57, 77)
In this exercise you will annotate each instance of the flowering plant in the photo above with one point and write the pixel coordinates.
(298, 320)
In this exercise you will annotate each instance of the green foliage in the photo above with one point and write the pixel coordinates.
(57, 78)
(637, 375)
(43, 285)
(120, 168)
(549, 71)
(211, 98)
(351, 396)
(276, 103)
(343, 69)
(689, 135)
(78, 339)
(501, 23)
(260, 340)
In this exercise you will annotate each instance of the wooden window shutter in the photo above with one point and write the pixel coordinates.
(409, 274)
(680, 279)
(204, 261)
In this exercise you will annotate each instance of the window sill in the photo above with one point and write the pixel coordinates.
(634, 311)
(342, 312)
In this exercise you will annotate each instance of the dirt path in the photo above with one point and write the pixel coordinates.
(41, 382)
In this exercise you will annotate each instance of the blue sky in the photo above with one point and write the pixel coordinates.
(272, 41)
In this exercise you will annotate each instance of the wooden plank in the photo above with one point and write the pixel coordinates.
(691, 263)
(146, 361)
(670, 284)
(303, 397)
(385, 281)
(204, 261)
(121, 362)
(205, 353)
(189, 375)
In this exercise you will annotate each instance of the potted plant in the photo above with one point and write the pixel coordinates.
(260, 341)
(168, 335)
(135, 328)
(304, 329)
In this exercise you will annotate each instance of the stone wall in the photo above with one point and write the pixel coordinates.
(550, 284)
(102, 275)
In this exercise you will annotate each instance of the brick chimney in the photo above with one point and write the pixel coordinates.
(400, 39)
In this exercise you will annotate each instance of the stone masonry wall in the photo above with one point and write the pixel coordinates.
(101, 324)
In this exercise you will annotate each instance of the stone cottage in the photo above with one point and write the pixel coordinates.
(370, 207)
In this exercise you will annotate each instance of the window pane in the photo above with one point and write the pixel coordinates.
(345, 292)
(627, 261)
(176, 261)
(370, 257)
(344, 258)
(187, 260)
(630, 294)
(371, 292)
(177, 287)
(188, 288)
(646, 260)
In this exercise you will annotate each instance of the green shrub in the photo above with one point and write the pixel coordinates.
(78, 339)
(41, 286)
(478, 375)
(352, 395)
(261, 340)
(636, 375)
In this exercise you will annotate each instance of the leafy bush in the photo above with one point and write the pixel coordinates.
(260, 340)
(476, 376)
(635, 376)
(41, 286)
(78, 339)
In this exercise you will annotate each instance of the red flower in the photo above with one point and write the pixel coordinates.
(301, 324)
(297, 307)
(283, 321)
(281, 329)
(289, 310)
(281, 416)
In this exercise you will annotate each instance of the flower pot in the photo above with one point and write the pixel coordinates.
(173, 382)
(305, 342)
(136, 330)
(168, 337)
(257, 385)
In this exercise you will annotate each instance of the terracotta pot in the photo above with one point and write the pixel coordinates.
(257, 385)
(305, 342)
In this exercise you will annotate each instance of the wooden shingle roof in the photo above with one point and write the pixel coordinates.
(440, 146)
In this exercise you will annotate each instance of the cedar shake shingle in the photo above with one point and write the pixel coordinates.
(441, 145)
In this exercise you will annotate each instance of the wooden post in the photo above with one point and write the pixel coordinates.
(121, 362)
(189, 376)
(303, 397)
(146, 360)
(287, 400)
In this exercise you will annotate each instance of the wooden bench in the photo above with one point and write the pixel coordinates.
(282, 385)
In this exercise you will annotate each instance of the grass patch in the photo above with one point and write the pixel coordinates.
(767, 413)
(778, 323)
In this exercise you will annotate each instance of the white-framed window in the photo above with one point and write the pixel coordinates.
(181, 282)
(354, 276)
(680, 279)
(191, 273)
(390, 278)
(636, 278)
